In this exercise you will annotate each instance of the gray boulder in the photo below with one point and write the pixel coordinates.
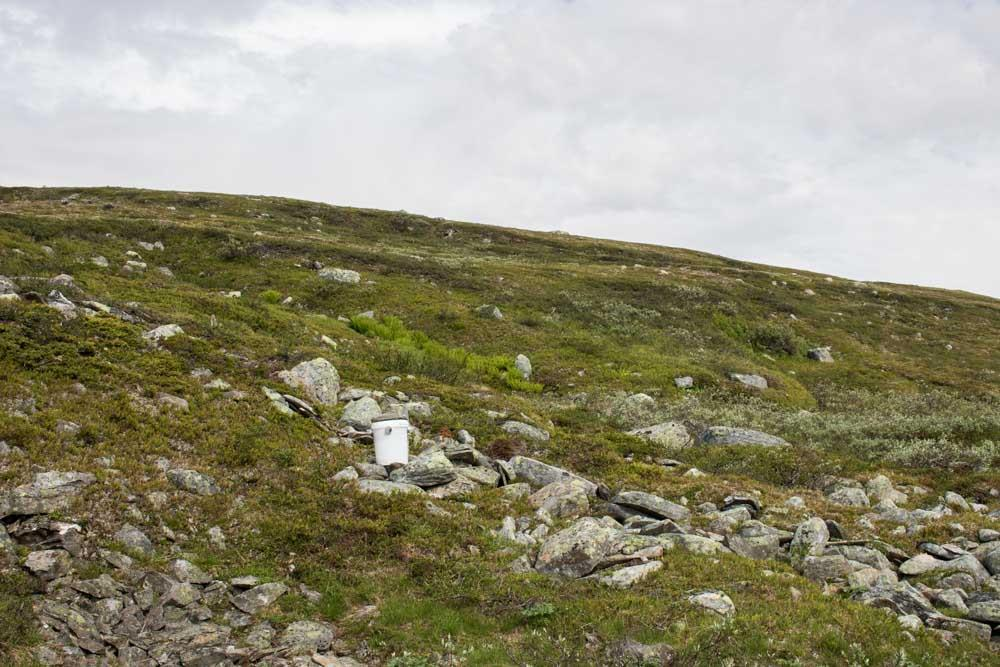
(666, 434)
(627, 576)
(50, 491)
(7, 286)
(385, 487)
(757, 382)
(728, 435)
(810, 539)
(361, 412)
(318, 380)
(685, 382)
(346, 276)
(716, 602)
(526, 431)
(48, 564)
(652, 505)
(258, 597)
(426, 470)
(539, 474)
(523, 366)
(901, 599)
(193, 481)
(564, 498)
(134, 540)
(756, 540)
(163, 332)
(632, 408)
(575, 551)
(489, 311)
(820, 354)
(306, 637)
(849, 496)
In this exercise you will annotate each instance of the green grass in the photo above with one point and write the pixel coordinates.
(892, 402)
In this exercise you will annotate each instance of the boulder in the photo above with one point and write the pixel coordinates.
(48, 564)
(253, 600)
(631, 408)
(985, 610)
(523, 366)
(134, 540)
(489, 311)
(538, 474)
(318, 380)
(7, 286)
(757, 541)
(825, 568)
(360, 413)
(627, 576)
(901, 599)
(345, 276)
(749, 380)
(575, 551)
(820, 354)
(526, 431)
(306, 638)
(652, 505)
(666, 434)
(163, 332)
(561, 499)
(810, 539)
(880, 488)
(727, 435)
(716, 602)
(50, 491)
(684, 382)
(848, 496)
(695, 544)
(193, 481)
(386, 488)
(425, 471)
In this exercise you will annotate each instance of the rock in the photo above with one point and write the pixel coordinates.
(825, 568)
(869, 577)
(522, 430)
(632, 409)
(820, 354)
(795, 502)
(714, 601)
(187, 572)
(516, 490)
(988, 535)
(346, 276)
(386, 488)
(360, 413)
(172, 402)
(727, 435)
(62, 280)
(163, 332)
(986, 610)
(539, 474)
(99, 260)
(629, 653)
(575, 551)
(218, 384)
(7, 286)
(810, 539)
(562, 499)
(666, 434)
(880, 488)
(956, 502)
(523, 366)
(479, 475)
(318, 380)
(627, 576)
(371, 471)
(426, 470)
(901, 598)
(980, 631)
(460, 486)
(755, 540)
(685, 382)
(192, 481)
(695, 544)
(418, 410)
(134, 540)
(866, 555)
(848, 496)
(348, 474)
(306, 637)
(50, 491)
(253, 600)
(924, 563)
(652, 505)
(489, 311)
(48, 564)
(753, 381)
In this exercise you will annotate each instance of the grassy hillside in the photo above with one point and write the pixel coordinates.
(914, 392)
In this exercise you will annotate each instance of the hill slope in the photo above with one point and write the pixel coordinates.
(913, 392)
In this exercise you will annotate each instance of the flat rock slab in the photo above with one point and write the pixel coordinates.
(651, 505)
(728, 435)
(49, 492)
(255, 599)
(627, 576)
(577, 550)
(385, 487)
(540, 474)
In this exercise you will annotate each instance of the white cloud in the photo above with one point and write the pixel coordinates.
(852, 138)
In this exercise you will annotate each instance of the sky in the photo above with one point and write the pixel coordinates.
(859, 139)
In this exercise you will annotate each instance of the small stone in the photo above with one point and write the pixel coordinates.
(526, 431)
(749, 380)
(163, 332)
(627, 576)
(714, 601)
(821, 354)
(345, 276)
(685, 382)
(193, 481)
(489, 311)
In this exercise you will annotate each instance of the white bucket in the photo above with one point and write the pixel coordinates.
(391, 441)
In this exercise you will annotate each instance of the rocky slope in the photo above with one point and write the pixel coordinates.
(622, 454)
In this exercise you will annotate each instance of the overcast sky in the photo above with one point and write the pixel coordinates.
(856, 138)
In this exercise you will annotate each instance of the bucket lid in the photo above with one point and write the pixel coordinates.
(390, 418)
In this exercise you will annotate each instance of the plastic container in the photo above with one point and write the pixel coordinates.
(391, 440)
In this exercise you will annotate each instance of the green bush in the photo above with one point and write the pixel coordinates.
(271, 296)
(768, 336)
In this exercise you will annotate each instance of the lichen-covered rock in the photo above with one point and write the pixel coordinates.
(306, 637)
(345, 276)
(258, 597)
(810, 539)
(728, 435)
(901, 599)
(714, 601)
(526, 431)
(318, 380)
(695, 544)
(561, 499)
(50, 491)
(163, 332)
(134, 539)
(385, 487)
(575, 551)
(757, 382)
(755, 540)
(652, 505)
(538, 474)
(48, 564)
(849, 496)
(627, 576)
(193, 481)
(667, 434)
(820, 354)
(361, 412)
(426, 470)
